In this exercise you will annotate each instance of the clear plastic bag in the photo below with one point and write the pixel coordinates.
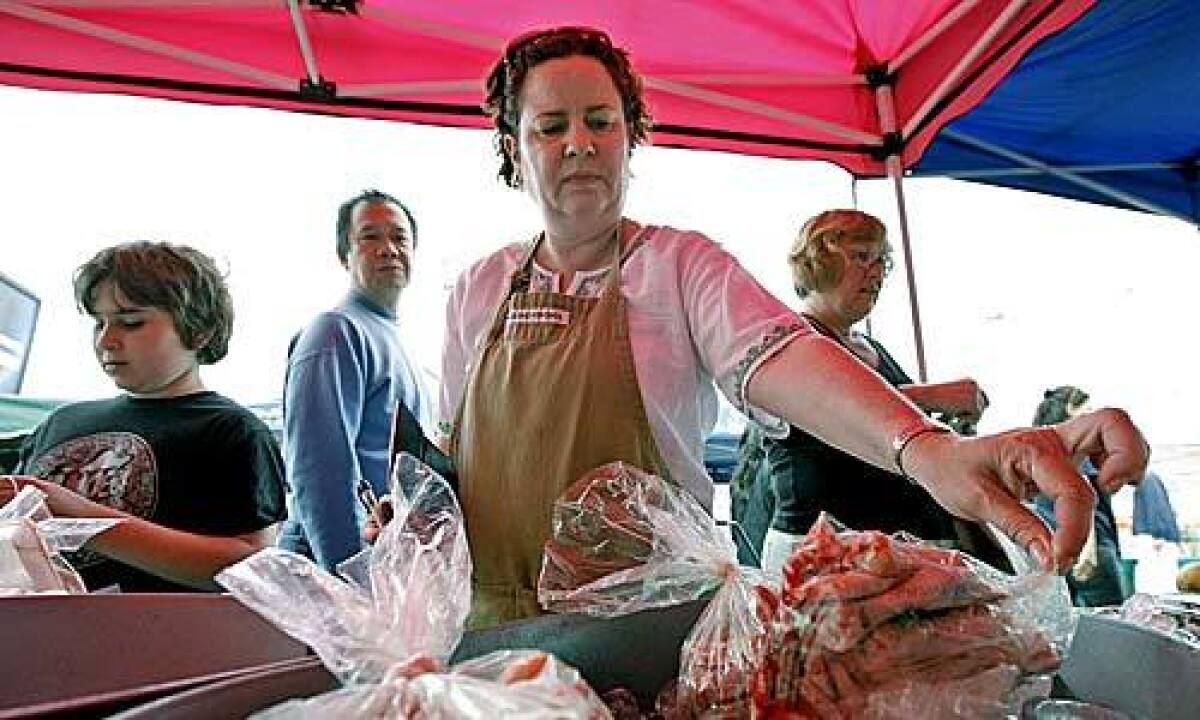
(411, 596)
(624, 541)
(1175, 615)
(32, 543)
(387, 630)
(508, 684)
(878, 626)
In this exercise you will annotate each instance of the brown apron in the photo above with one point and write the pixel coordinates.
(553, 394)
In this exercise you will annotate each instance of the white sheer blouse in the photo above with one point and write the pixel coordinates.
(696, 318)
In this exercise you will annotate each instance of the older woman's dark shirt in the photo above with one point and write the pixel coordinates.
(810, 476)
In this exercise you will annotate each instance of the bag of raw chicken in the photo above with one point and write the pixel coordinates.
(387, 627)
(32, 543)
(624, 541)
(867, 625)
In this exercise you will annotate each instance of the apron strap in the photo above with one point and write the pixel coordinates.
(520, 279)
(521, 276)
(620, 255)
(518, 283)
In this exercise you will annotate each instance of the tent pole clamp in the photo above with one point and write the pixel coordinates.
(341, 7)
(891, 143)
(320, 91)
(878, 75)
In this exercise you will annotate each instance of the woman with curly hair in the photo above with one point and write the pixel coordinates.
(603, 338)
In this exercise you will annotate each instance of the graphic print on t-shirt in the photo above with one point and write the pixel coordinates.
(112, 468)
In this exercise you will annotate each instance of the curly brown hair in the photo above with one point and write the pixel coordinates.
(179, 280)
(507, 77)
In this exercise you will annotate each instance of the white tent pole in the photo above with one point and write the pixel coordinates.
(943, 24)
(306, 51)
(964, 64)
(802, 79)
(118, 37)
(759, 108)
(895, 171)
(1027, 171)
(417, 87)
(1071, 177)
(886, 107)
(452, 33)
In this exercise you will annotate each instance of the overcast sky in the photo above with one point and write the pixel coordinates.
(1018, 290)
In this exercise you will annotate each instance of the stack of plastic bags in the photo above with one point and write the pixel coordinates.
(32, 543)
(387, 629)
(861, 624)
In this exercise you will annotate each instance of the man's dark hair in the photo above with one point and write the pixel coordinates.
(507, 77)
(346, 210)
(179, 280)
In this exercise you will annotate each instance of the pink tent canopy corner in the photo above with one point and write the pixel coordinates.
(866, 84)
(785, 79)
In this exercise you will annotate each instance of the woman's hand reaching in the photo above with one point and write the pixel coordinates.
(987, 478)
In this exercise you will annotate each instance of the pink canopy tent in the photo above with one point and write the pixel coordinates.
(862, 83)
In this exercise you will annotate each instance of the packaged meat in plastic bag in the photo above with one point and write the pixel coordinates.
(624, 541)
(877, 626)
(388, 633)
(504, 684)
(32, 543)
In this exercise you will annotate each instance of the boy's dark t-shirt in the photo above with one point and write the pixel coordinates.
(200, 463)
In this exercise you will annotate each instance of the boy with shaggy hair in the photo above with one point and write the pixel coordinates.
(196, 478)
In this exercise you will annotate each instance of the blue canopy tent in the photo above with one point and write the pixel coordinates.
(1106, 111)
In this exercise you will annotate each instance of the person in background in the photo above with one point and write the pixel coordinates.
(347, 375)
(1152, 511)
(1157, 542)
(1103, 587)
(839, 261)
(604, 339)
(196, 479)
(751, 497)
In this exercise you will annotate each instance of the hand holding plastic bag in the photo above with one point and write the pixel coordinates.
(31, 543)
(411, 600)
(389, 629)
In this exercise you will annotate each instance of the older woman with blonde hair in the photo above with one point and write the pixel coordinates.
(839, 261)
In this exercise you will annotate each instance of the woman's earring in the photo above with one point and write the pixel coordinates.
(516, 176)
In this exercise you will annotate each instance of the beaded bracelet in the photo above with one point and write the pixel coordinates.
(905, 437)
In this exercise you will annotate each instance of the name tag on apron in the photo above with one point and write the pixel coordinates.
(537, 316)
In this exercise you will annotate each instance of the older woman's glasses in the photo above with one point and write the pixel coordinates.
(868, 259)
